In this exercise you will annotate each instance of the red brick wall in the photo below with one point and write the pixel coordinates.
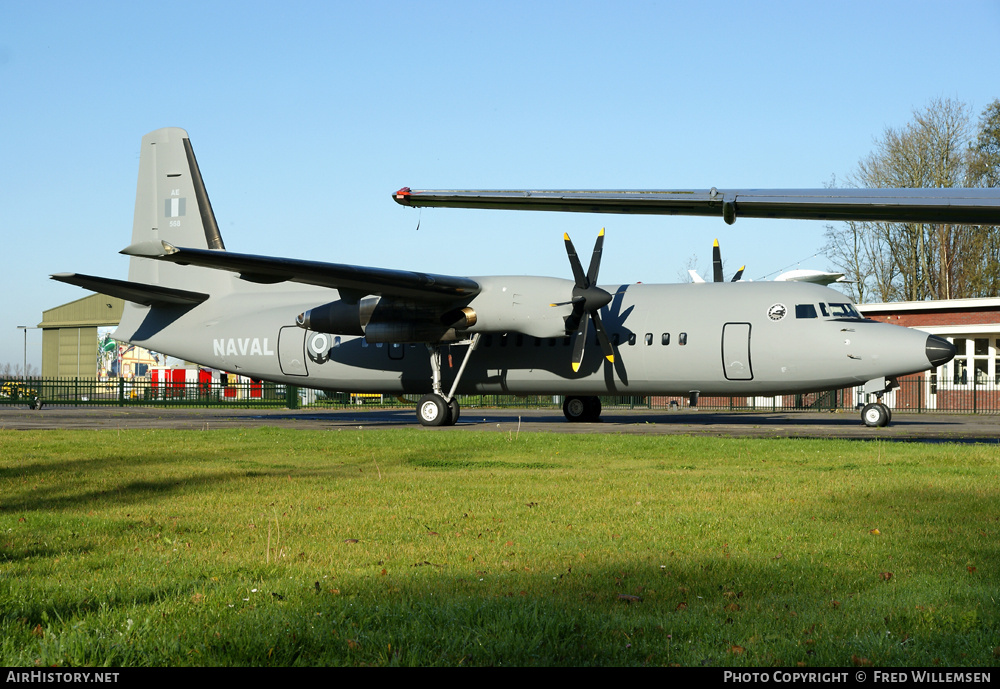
(912, 319)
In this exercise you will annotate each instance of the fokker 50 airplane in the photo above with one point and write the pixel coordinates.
(351, 328)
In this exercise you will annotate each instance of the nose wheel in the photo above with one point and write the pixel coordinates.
(876, 414)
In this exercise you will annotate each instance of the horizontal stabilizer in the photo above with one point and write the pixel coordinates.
(358, 280)
(135, 292)
(955, 206)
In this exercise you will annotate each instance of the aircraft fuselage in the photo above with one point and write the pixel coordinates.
(715, 338)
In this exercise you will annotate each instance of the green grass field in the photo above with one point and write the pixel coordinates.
(408, 547)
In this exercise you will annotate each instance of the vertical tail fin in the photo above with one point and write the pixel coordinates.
(172, 205)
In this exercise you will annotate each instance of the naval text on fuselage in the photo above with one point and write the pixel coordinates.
(883, 676)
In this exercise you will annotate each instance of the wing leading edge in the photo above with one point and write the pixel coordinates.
(955, 205)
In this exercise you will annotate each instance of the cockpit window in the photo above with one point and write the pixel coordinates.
(844, 311)
(805, 311)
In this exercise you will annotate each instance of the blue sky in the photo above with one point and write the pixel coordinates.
(306, 117)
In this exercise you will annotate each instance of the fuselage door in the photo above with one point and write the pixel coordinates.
(292, 351)
(736, 351)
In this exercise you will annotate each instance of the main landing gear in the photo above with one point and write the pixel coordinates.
(582, 409)
(438, 409)
(435, 410)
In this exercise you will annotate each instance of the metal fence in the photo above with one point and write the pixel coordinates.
(90, 392)
(918, 394)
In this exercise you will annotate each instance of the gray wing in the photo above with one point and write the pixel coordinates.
(354, 280)
(957, 206)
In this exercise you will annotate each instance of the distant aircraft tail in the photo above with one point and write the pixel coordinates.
(172, 205)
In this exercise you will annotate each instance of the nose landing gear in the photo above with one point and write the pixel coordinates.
(876, 414)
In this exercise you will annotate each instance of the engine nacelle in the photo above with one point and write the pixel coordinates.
(384, 320)
(339, 317)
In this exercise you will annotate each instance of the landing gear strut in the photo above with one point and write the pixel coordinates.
(438, 409)
(582, 409)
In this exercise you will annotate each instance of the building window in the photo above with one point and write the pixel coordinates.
(975, 361)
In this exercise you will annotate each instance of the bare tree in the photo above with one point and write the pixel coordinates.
(914, 261)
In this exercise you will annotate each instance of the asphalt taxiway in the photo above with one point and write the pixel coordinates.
(927, 427)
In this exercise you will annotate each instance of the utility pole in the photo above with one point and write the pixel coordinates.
(25, 328)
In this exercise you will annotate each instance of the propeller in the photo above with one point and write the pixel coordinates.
(717, 265)
(587, 300)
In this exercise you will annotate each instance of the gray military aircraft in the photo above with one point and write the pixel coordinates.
(360, 329)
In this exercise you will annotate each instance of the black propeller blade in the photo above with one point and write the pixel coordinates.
(588, 299)
(717, 265)
(717, 262)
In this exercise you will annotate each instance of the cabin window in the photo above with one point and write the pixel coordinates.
(616, 339)
(822, 308)
(682, 339)
(538, 341)
(665, 339)
(631, 339)
(649, 339)
(519, 340)
(336, 341)
(503, 340)
(805, 311)
(488, 340)
(566, 341)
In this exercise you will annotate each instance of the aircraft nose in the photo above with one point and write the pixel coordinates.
(939, 350)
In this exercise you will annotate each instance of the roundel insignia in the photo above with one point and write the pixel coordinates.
(318, 348)
(777, 312)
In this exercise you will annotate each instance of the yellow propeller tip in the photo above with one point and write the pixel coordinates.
(716, 243)
(611, 358)
(566, 236)
(601, 233)
(576, 367)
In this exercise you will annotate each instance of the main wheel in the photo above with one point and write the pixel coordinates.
(888, 413)
(875, 414)
(454, 411)
(580, 409)
(432, 410)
